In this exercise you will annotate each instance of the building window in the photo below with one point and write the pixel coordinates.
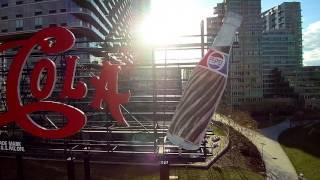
(4, 5)
(4, 30)
(63, 10)
(4, 17)
(37, 13)
(19, 2)
(19, 15)
(19, 24)
(63, 24)
(38, 22)
(37, 0)
(52, 11)
(52, 25)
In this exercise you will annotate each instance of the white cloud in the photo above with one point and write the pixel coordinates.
(311, 44)
(311, 63)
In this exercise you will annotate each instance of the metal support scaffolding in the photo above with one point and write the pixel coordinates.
(100, 139)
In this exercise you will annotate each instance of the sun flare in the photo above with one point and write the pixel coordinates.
(169, 19)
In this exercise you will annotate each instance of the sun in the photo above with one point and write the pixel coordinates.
(155, 30)
(169, 19)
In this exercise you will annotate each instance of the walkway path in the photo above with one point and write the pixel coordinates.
(278, 165)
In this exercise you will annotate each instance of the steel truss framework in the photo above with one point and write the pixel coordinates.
(148, 113)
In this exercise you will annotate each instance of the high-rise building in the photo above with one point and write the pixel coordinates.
(281, 45)
(90, 20)
(267, 43)
(245, 70)
(245, 86)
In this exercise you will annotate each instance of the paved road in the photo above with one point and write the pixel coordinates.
(278, 165)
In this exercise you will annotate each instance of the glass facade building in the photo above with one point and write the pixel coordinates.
(281, 42)
(267, 42)
(245, 86)
(90, 20)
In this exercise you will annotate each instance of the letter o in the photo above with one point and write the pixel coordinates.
(45, 92)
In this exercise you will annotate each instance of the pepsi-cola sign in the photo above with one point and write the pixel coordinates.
(216, 61)
(106, 86)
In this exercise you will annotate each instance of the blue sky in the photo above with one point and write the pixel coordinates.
(183, 17)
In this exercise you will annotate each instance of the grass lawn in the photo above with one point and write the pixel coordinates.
(303, 148)
(218, 131)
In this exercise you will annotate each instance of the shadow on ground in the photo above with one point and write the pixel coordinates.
(305, 138)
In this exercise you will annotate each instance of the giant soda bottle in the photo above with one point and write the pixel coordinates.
(204, 89)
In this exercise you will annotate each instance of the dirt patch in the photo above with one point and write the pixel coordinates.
(241, 153)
